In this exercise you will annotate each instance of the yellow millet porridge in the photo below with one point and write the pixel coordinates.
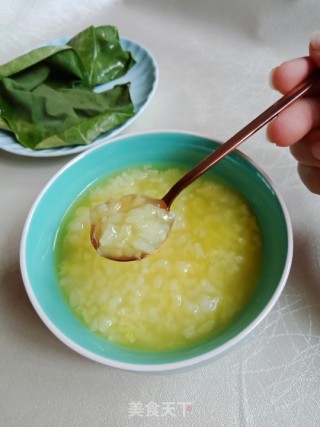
(190, 289)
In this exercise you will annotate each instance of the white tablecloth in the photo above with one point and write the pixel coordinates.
(214, 58)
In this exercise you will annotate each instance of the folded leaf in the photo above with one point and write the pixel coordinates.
(47, 98)
(29, 59)
(101, 53)
(46, 117)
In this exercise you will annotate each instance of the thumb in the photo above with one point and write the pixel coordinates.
(314, 48)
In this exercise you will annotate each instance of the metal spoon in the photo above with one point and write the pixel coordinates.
(103, 215)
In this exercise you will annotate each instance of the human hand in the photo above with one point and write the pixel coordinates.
(298, 126)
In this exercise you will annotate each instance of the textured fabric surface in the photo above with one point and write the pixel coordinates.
(214, 58)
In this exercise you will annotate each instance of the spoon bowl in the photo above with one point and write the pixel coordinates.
(130, 228)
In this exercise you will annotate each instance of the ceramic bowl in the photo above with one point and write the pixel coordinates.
(39, 234)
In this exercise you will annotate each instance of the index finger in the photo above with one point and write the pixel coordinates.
(290, 73)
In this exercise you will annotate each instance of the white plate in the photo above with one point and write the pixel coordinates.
(143, 78)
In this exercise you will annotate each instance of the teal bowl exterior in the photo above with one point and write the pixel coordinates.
(40, 230)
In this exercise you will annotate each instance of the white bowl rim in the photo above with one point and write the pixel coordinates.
(166, 366)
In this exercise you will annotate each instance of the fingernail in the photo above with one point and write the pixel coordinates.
(315, 40)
